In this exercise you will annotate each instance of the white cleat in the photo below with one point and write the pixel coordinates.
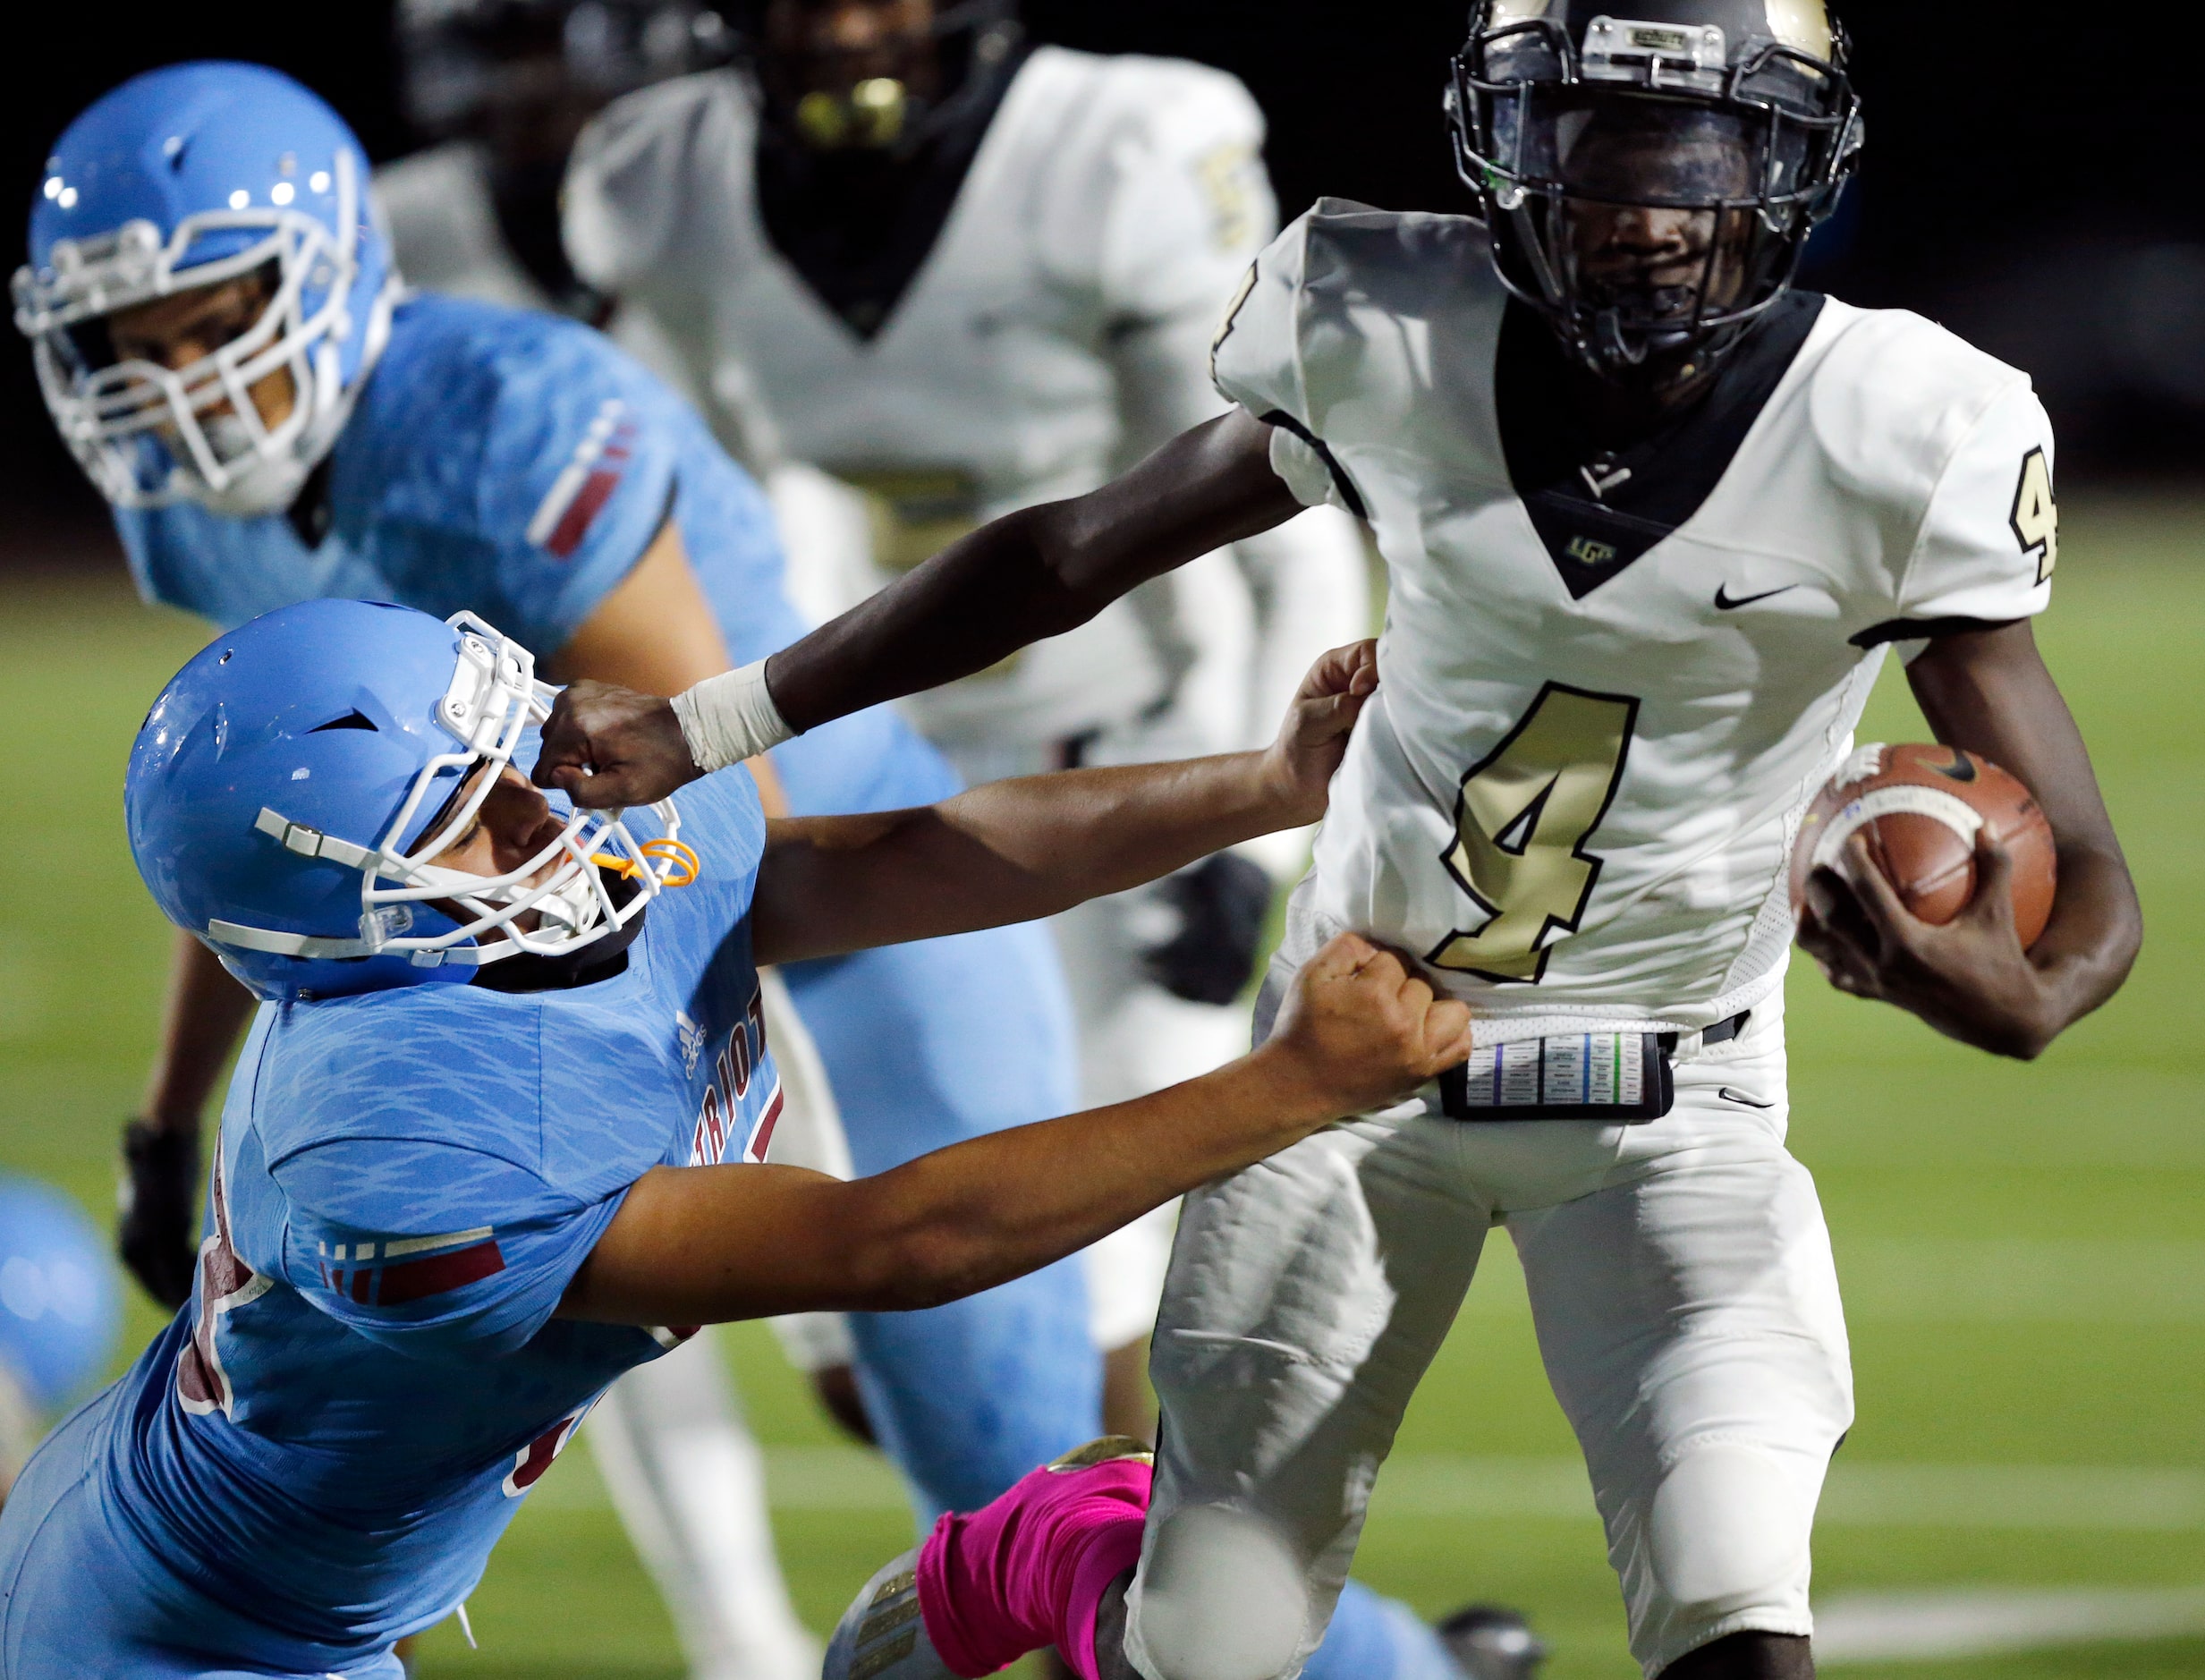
(882, 1637)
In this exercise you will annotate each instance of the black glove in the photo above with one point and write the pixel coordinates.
(157, 1234)
(1224, 903)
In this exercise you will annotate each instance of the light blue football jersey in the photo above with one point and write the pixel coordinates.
(517, 464)
(336, 1431)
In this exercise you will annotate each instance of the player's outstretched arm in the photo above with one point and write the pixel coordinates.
(1019, 850)
(1990, 692)
(1031, 574)
(700, 1245)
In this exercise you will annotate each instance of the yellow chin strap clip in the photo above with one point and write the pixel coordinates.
(685, 869)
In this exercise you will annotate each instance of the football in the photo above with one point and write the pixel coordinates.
(1920, 808)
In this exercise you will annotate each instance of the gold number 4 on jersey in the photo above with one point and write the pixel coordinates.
(2035, 518)
(1526, 812)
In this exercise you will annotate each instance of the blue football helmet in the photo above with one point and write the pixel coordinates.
(185, 177)
(292, 787)
(60, 1311)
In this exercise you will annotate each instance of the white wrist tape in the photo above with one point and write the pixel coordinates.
(726, 719)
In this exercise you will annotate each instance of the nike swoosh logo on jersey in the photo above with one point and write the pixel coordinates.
(1726, 602)
(1729, 1095)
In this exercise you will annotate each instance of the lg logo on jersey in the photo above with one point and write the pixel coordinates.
(737, 1064)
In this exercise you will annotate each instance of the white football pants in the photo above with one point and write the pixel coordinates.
(1687, 1310)
(686, 1477)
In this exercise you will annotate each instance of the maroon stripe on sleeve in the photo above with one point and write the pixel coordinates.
(582, 512)
(416, 1280)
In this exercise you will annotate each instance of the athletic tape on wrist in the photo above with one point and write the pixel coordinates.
(726, 719)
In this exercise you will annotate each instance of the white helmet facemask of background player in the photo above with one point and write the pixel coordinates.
(213, 446)
(494, 701)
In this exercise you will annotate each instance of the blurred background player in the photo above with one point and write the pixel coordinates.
(59, 1314)
(207, 300)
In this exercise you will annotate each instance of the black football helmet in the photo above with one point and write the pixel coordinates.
(1650, 180)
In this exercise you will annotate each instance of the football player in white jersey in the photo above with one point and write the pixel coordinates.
(933, 273)
(1654, 519)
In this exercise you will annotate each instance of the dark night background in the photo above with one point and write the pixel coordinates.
(2024, 182)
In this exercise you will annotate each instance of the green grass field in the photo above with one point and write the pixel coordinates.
(2024, 1248)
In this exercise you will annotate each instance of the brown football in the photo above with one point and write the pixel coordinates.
(1920, 808)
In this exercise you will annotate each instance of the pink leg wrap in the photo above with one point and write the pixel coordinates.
(1030, 1569)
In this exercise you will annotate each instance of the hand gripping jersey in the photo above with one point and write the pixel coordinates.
(1610, 684)
(1056, 332)
(336, 1429)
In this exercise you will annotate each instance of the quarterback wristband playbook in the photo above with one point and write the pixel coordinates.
(728, 718)
(1621, 1077)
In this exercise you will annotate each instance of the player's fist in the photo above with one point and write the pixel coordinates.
(1313, 739)
(155, 1233)
(607, 746)
(1361, 1031)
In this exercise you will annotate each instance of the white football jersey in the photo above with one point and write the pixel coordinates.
(1577, 788)
(1056, 331)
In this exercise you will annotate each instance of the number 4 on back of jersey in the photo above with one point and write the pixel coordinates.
(1524, 815)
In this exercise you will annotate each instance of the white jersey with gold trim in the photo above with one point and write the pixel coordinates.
(1056, 333)
(1577, 804)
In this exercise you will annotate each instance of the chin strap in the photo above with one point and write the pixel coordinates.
(575, 908)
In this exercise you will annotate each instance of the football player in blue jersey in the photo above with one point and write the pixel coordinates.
(501, 1117)
(224, 346)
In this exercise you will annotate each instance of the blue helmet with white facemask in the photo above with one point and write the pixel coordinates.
(293, 788)
(186, 177)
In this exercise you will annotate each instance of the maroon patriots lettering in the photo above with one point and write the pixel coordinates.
(733, 1071)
